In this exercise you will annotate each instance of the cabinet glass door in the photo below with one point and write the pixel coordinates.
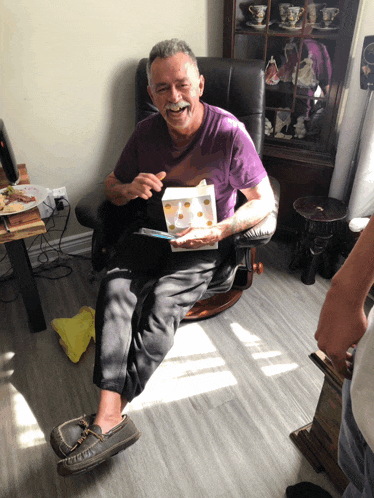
(297, 41)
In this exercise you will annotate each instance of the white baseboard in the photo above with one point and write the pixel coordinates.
(75, 244)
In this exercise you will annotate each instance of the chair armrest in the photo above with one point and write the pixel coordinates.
(261, 233)
(95, 211)
(89, 210)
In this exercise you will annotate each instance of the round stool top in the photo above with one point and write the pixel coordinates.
(320, 208)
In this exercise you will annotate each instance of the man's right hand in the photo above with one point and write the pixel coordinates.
(143, 185)
(341, 325)
(121, 193)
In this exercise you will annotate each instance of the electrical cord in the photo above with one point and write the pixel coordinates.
(52, 228)
(48, 266)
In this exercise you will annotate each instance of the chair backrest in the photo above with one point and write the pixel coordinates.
(235, 85)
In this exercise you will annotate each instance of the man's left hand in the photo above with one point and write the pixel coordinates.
(194, 238)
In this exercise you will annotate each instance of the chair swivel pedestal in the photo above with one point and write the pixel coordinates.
(323, 220)
(221, 301)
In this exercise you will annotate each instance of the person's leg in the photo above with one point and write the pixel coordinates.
(120, 297)
(109, 413)
(183, 281)
(136, 319)
(112, 315)
(351, 444)
(110, 432)
(121, 294)
(356, 459)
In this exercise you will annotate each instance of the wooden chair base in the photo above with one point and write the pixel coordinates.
(213, 305)
(222, 301)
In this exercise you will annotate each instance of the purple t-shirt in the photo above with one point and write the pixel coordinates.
(221, 152)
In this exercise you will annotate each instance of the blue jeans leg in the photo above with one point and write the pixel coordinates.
(356, 459)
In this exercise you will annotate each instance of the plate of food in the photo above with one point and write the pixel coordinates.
(17, 198)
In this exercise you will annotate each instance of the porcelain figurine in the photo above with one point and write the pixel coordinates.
(258, 12)
(282, 135)
(282, 120)
(291, 54)
(313, 11)
(306, 77)
(329, 14)
(293, 15)
(300, 130)
(271, 72)
(268, 127)
(283, 10)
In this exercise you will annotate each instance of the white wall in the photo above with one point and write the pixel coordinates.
(66, 78)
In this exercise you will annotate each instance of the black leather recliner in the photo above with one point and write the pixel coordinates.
(239, 87)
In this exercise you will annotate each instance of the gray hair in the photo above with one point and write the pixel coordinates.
(168, 48)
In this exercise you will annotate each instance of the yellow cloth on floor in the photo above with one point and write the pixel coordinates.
(75, 333)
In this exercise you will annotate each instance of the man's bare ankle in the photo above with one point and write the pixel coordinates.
(107, 422)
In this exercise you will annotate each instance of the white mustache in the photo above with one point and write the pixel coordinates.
(176, 107)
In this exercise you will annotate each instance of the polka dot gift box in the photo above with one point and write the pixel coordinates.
(190, 207)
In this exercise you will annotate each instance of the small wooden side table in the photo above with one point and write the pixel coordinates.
(323, 219)
(21, 226)
(318, 440)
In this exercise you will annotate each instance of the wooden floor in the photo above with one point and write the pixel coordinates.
(215, 418)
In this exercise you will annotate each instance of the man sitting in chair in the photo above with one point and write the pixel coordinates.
(148, 289)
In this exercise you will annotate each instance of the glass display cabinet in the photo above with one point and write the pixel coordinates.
(305, 48)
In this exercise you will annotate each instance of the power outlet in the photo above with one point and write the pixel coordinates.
(61, 198)
(47, 207)
(57, 199)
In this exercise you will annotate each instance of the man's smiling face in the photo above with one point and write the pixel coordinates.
(175, 89)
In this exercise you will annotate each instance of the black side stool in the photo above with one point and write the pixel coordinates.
(324, 218)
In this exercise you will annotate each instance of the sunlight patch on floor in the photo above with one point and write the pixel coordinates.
(191, 340)
(5, 357)
(192, 367)
(28, 432)
(278, 369)
(267, 354)
(252, 341)
(244, 336)
(6, 373)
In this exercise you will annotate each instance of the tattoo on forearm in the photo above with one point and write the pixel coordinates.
(245, 217)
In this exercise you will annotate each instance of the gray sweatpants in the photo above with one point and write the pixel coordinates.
(145, 294)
